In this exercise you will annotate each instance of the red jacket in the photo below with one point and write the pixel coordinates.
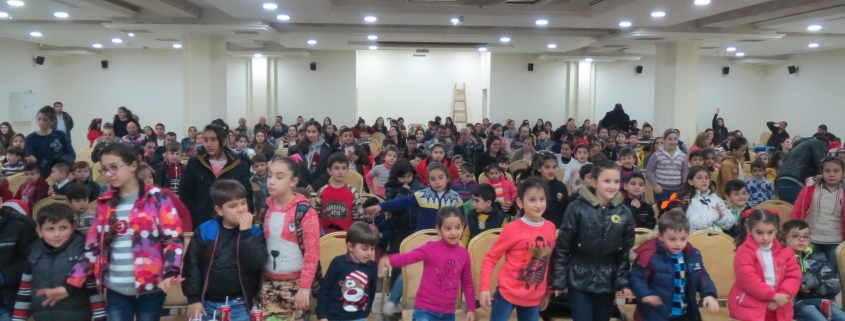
(422, 171)
(31, 193)
(805, 198)
(508, 188)
(750, 294)
(93, 135)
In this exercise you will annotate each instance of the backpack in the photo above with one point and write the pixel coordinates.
(301, 210)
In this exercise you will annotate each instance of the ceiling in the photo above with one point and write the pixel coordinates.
(578, 28)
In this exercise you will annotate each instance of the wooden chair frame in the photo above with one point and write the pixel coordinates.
(840, 257)
(325, 257)
(405, 278)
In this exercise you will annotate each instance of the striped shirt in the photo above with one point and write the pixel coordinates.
(121, 273)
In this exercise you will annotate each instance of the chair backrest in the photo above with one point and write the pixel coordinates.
(15, 182)
(478, 248)
(47, 201)
(746, 169)
(412, 274)
(752, 156)
(649, 192)
(331, 245)
(355, 180)
(840, 258)
(175, 298)
(184, 160)
(378, 137)
(84, 155)
(92, 206)
(281, 151)
(517, 165)
(560, 174)
(482, 178)
(764, 137)
(783, 208)
(717, 254)
(714, 175)
(95, 171)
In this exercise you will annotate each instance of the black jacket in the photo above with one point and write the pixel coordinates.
(777, 136)
(617, 117)
(482, 161)
(49, 269)
(163, 179)
(93, 188)
(68, 122)
(17, 234)
(720, 133)
(405, 221)
(495, 218)
(198, 178)
(591, 253)
(557, 200)
(320, 176)
(250, 250)
(643, 216)
(803, 161)
(469, 151)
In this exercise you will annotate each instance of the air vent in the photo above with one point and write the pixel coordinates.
(422, 51)
(751, 40)
(246, 32)
(708, 48)
(594, 2)
(447, 45)
(136, 31)
(167, 40)
(650, 38)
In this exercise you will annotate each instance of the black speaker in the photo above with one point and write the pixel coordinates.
(104, 64)
(39, 60)
(726, 70)
(313, 66)
(639, 69)
(530, 67)
(792, 69)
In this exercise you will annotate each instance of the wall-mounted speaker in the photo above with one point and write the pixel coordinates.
(313, 66)
(726, 70)
(530, 67)
(792, 70)
(104, 64)
(639, 69)
(39, 60)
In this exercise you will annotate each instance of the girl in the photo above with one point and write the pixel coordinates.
(549, 127)
(124, 116)
(46, 146)
(633, 130)
(6, 134)
(505, 189)
(329, 134)
(651, 148)
(762, 156)
(706, 210)
(591, 256)
(292, 230)
(621, 142)
(775, 162)
(545, 166)
(150, 132)
(720, 132)
(290, 138)
(768, 275)
(494, 146)
(380, 173)
(438, 154)
(709, 159)
(314, 150)
(191, 140)
(511, 131)
(379, 127)
(146, 174)
(361, 126)
(443, 262)
(820, 204)
(538, 127)
(326, 122)
(585, 126)
(241, 142)
(395, 134)
(571, 174)
(402, 182)
(261, 146)
(667, 167)
(479, 131)
(94, 131)
(449, 124)
(231, 141)
(19, 141)
(133, 222)
(278, 131)
(786, 145)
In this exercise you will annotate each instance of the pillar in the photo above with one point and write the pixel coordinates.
(676, 88)
(203, 79)
(580, 90)
(261, 89)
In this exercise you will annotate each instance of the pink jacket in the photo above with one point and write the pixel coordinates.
(750, 294)
(508, 188)
(805, 198)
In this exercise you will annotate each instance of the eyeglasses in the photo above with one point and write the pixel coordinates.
(801, 237)
(111, 169)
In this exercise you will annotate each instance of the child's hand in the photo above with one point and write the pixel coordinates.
(772, 306)
(635, 202)
(653, 300)
(781, 299)
(574, 172)
(302, 299)
(383, 264)
(719, 210)
(544, 303)
(506, 206)
(470, 316)
(53, 295)
(626, 293)
(658, 190)
(710, 302)
(245, 221)
(372, 210)
(485, 299)
(30, 159)
(171, 281)
(195, 309)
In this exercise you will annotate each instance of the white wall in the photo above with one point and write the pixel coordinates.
(618, 82)
(519, 94)
(236, 90)
(18, 73)
(328, 91)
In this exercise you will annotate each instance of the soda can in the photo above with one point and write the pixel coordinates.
(256, 314)
(827, 309)
(225, 313)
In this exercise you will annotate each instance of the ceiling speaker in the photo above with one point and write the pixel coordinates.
(104, 64)
(530, 67)
(639, 69)
(726, 70)
(313, 66)
(792, 70)
(39, 60)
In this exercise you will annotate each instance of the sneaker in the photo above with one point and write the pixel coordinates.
(389, 308)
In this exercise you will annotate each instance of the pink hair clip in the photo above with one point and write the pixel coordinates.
(296, 158)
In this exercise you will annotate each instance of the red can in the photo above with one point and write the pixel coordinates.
(827, 309)
(256, 314)
(225, 313)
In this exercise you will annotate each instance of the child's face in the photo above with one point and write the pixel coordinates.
(480, 205)
(338, 172)
(763, 233)
(146, 176)
(798, 240)
(671, 141)
(635, 187)
(347, 138)
(504, 166)
(627, 161)
(260, 168)
(173, 157)
(12, 158)
(701, 181)
(438, 154)
(758, 173)
(79, 206)
(544, 136)
(365, 134)
(832, 173)
(390, 158)
(411, 143)
(458, 163)
(674, 241)
(494, 174)
(57, 175)
(738, 198)
(438, 180)
(281, 179)
(406, 179)
(231, 211)
(764, 158)
(362, 252)
(739, 152)
(696, 161)
(533, 203)
(17, 141)
(56, 234)
(620, 139)
(549, 169)
(588, 180)
(81, 174)
(242, 142)
(709, 159)
(581, 154)
(609, 144)
(416, 161)
(451, 230)
(565, 151)
(607, 184)
(633, 140)
(467, 177)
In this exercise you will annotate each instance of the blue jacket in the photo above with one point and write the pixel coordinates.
(653, 274)
(428, 203)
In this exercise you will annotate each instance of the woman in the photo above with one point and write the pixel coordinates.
(276, 132)
(94, 131)
(150, 132)
(420, 135)
(261, 146)
(720, 132)
(48, 147)
(549, 128)
(540, 125)
(361, 126)
(786, 145)
(451, 125)
(215, 162)
(393, 133)
(315, 153)
(585, 126)
(634, 128)
(379, 127)
(497, 130)
(479, 131)
(494, 147)
(123, 117)
(326, 122)
(290, 138)
(191, 140)
(6, 134)
(702, 141)
(330, 135)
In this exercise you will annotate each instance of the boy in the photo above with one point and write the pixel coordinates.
(418, 158)
(696, 158)
(737, 201)
(349, 287)
(586, 177)
(34, 188)
(485, 214)
(82, 175)
(338, 203)
(169, 172)
(635, 200)
(466, 184)
(13, 161)
(77, 196)
(259, 182)
(613, 131)
(60, 175)
(760, 189)
(608, 152)
(731, 167)
(543, 142)
(819, 282)
(19, 233)
(45, 272)
(671, 298)
(627, 158)
(230, 252)
(411, 149)
(578, 138)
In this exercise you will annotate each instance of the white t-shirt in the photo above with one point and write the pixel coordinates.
(768, 265)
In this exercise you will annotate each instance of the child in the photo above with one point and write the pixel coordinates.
(696, 158)
(737, 197)
(543, 142)
(504, 164)
(775, 162)
(292, 230)
(467, 183)
(628, 159)
(338, 203)
(77, 196)
(401, 183)
(230, 251)
(731, 165)
(82, 175)
(19, 233)
(43, 293)
(133, 290)
(169, 172)
(667, 167)
(635, 200)
(527, 245)
(768, 274)
(668, 272)
(706, 210)
(591, 256)
(258, 181)
(586, 173)
(34, 188)
(60, 174)
(760, 189)
(621, 142)
(13, 164)
(607, 151)
(485, 214)
(505, 189)
(446, 269)
(378, 175)
(411, 149)
(438, 154)
(566, 149)
(572, 172)
(241, 143)
(763, 157)
(709, 155)
(819, 282)
(544, 167)
(820, 204)
(351, 279)
(419, 158)
(458, 160)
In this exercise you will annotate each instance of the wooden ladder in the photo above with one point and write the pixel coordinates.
(459, 108)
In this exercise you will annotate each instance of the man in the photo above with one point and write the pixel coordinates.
(245, 130)
(107, 138)
(63, 122)
(440, 137)
(645, 134)
(617, 117)
(159, 130)
(262, 124)
(821, 133)
(468, 146)
(524, 132)
(803, 161)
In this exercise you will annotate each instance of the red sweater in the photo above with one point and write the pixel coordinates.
(523, 278)
(422, 171)
(288, 263)
(31, 193)
(335, 206)
(748, 297)
(93, 135)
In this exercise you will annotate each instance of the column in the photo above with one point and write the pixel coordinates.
(261, 89)
(580, 90)
(203, 79)
(676, 88)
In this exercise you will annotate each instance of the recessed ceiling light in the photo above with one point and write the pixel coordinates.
(658, 14)
(177, 46)
(740, 54)
(625, 24)
(505, 39)
(312, 42)
(813, 45)
(3, 14)
(373, 47)
(60, 14)
(541, 22)
(15, 3)
(552, 46)
(701, 2)
(270, 6)
(35, 34)
(116, 40)
(457, 20)
(482, 49)
(131, 34)
(283, 17)
(731, 49)
(258, 55)
(589, 60)
(372, 37)
(370, 19)
(814, 27)
(96, 45)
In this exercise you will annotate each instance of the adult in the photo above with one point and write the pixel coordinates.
(261, 145)
(616, 117)
(6, 134)
(585, 126)
(94, 131)
(468, 146)
(277, 132)
(720, 132)
(262, 124)
(778, 135)
(315, 153)
(450, 125)
(441, 137)
(133, 136)
(124, 116)
(361, 127)
(526, 152)
(63, 122)
(803, 162)
(214, 163)
(646, 134)
(523, 133)
(48, 147)
(108, 137)
(785, 145)
(822, 132)
(191, 140)
(540, 125)
(159, 131)
(326, 122)
(485, 124)
(244, 129)
(494, 147)
(290, 138)
(379, 126)
(395, 134)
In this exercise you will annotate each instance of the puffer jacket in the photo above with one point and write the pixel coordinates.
(816, 276)
(593, 245)
(198, 178)
(803, 161)
(703, 213)
(17, 234)
(748, 299)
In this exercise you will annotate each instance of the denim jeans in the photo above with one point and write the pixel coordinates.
(829, 251)
(396, 290)
(5, 313)
(810, 310)
(145, 307)
(238, 305)
(425, 315)
(658, 198)
(788, 190)
(588, 306)
(502, 310)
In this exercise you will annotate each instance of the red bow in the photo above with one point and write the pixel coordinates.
(748, 212)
